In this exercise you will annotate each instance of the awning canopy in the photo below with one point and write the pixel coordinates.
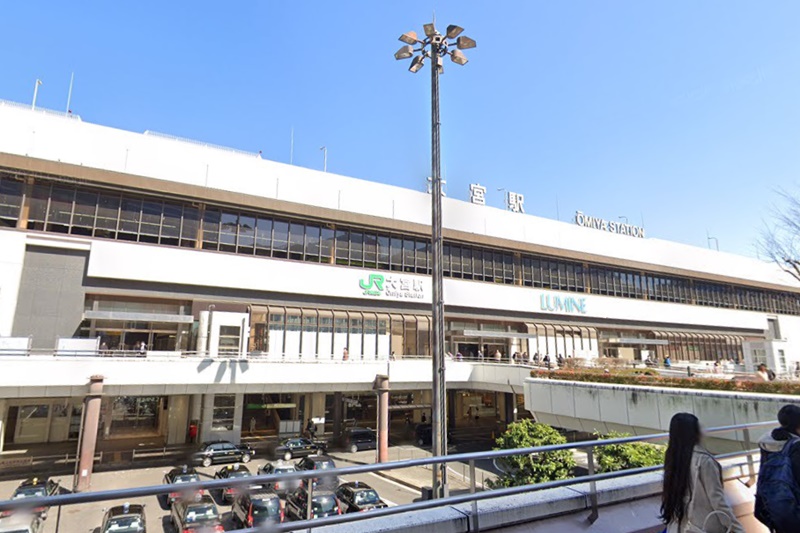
(122, 316)
(479, 333)
(636, 340)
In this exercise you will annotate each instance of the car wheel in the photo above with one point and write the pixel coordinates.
(353, 448)
(207, 461)
(246, 458)
(287, 456)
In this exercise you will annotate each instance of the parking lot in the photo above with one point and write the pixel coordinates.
(87, 518)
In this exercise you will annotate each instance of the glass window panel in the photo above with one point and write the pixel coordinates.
(396, 251)
(263, 236)
(247, 234)
(370, 250)
(408, 255)
(297, 234)
(228, 230)
(151, 218)
(190, 226)
(38, 205)
(342, 246)
(280, 236)
(211, 221)
(171, 223)
(10, 198)
(60, 206)
(107, 212)
(85, 208)
(327, 243)
(131, 211)
(356, 247)
(312, 241)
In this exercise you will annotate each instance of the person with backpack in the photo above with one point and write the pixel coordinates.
(778, 490)
(693, 497)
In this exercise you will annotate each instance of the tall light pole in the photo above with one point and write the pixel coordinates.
(35, 93)
(435, 46)
(324, 158)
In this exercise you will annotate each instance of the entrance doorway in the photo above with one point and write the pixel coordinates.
(468, 350)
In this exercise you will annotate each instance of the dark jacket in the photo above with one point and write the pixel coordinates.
(774, 441)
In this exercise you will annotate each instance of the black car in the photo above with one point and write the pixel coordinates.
(290, 449)
(356, 439)
(256, 509)
(222, 451)
(424, 434)
(35, 487)
(279, 467)
(323, 503)
(318, 464)
(178, 475)
(127, 518)
(355, 497)
(201, 514)
(232, 472)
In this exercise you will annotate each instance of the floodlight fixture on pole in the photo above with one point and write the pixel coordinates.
(435, 47)
(405, 52)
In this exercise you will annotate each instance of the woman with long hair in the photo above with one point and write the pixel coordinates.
(693, 499)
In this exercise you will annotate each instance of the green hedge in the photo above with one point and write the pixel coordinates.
(649, 377)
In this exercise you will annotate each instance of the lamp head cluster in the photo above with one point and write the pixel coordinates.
(435, 46)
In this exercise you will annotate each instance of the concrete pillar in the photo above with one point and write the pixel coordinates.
(510, 405)
(337, 414)
(315, 409)
(91, 423)
(381, 386)
(3, 405)
(202, 333)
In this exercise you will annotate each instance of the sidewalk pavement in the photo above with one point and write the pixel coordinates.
(417, 477)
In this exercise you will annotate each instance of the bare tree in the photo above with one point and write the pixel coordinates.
(780, 240)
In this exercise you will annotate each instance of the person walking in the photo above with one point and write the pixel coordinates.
(778, 490)
(693, 497)
(762, 372)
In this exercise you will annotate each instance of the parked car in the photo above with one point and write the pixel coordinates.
(189, 516)
(236, 471)
(222, 451)
(177, 476)
(320, 463)
(293, 448)
(21, 523)
(279, 467)
(35, 487)
(356, 439)
(126, 518)
(356, 497)
(323, 503)
(424, 434)
(257, 508)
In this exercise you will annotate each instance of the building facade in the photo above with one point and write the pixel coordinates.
(142, 243)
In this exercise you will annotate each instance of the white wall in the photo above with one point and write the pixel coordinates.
(41, 135)
(201, 268)
(645, 410)
(12, 244)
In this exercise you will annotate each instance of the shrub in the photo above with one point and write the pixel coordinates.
(649, 377)
(534, 468)
(616, 457)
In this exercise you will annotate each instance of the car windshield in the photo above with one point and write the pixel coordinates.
(186, 478)
(125, 524)
(240, 473)
(29, 492)
(284, 469)
(271, 507)
(18, 531)
(201, 513)
(324, 465)
(367, 497)
(323, 504)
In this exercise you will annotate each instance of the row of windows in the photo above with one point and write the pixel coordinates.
(80, 210)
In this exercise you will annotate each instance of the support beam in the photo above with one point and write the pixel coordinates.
(381, 386)
(88, 440)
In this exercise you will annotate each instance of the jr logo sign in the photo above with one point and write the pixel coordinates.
(373, 285)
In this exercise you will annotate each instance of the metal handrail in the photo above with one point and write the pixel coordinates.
(156, 490)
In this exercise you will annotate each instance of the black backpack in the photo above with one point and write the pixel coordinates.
(777, 493)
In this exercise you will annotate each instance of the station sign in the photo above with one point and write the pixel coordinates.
(611, 226)
(392, 286)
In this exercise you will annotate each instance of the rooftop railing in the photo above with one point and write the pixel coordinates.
(474, 497)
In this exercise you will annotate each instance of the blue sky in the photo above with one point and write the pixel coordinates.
(682, 114)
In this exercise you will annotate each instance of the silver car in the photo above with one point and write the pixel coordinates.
(280, 467)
